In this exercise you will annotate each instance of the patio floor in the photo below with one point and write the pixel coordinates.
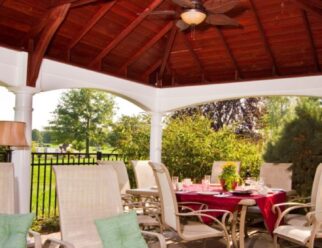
(258, 240)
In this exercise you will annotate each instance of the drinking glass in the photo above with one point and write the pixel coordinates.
(175, 181)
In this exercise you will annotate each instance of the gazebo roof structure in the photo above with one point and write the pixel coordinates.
(123, 38)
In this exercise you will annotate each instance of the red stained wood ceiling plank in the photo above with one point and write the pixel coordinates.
(148, 45)
(95, 18)
(264, 39)
(125, 33)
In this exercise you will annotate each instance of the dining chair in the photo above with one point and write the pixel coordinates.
(143, 174)
(149, 218)
(86, 194)
(7, 199)
(172, 217)
(284, 210)
(277, 175)
(274, 175)
(217, 169)
(304, 235)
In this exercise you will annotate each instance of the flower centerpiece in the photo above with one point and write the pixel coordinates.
(229, 176)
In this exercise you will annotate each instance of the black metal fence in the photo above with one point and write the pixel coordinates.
(43, 200)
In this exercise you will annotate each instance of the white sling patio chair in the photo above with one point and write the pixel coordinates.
(277, 175)
(191, 230)
(7, 205)
(217, 169)
(304, 235)
(298, 219)
(143, 174)
(128, 200)
(85, 194)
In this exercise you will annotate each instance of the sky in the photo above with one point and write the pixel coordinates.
(45, 103)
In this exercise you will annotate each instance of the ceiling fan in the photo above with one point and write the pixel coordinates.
(195, 12)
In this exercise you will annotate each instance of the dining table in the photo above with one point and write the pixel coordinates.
(235, 201)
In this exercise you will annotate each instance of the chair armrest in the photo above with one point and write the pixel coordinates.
(37, 238)
(278, 209)
(160, 238)
(52, 243)
(203, 213)
(279, 206)
(202, 205)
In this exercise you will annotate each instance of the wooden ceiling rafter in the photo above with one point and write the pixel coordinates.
(275, 69)
(73, 3)
(55, 18)
(151, 69)
(238, 73)
(309, 7)
(90, 24)
(167, 53)
(125, 33)
(146, 46)
(194, 56)
(311, 41)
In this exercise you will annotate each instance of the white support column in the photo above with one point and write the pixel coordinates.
(156, 137)
(21, 158)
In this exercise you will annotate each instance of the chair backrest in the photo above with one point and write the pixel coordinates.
(85, 193)
(318, 206)
(169, 205)
(315, 184)
(122, 175)
(217, 169)
(277, 175)
(7, 188)
(143, 174)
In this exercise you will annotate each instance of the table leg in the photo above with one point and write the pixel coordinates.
(242, 219)
(242, 222)
(234, 229)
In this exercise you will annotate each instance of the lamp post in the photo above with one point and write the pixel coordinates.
(12, 134)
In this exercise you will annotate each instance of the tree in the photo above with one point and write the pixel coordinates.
(279, 111)
(130, 136)
(82, 118)
(244, 114)
(36, 136)
(190, 145)
(300, 143)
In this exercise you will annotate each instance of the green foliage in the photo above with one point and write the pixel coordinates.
(229, 175)
(244, 115)
(83, 116)
(190, 146)
(46, 225)
(300, 143)
(36, 136)
(279, 111)
(131, 136)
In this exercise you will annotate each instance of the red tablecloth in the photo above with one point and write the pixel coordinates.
(230, 203)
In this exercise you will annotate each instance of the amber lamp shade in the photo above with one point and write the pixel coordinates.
(12, 133)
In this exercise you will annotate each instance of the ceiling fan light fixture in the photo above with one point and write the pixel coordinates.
(193, 16)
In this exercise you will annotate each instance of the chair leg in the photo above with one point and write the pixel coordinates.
(275, 242)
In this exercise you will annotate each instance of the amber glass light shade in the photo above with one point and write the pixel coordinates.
(193, 16)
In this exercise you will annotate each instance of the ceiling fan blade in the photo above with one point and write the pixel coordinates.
(184, 3)
(182, 25)
(163, 12)
(220, 6)
(221, 20)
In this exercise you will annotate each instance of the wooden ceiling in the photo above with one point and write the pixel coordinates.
(276, 38)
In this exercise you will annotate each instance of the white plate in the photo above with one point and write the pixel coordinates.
(223, 195)
(207, 192)
(276, 189)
